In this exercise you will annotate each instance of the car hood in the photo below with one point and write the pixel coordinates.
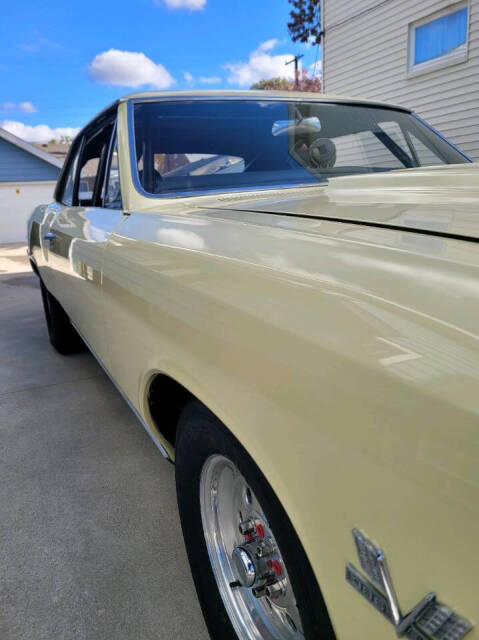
(439, 200)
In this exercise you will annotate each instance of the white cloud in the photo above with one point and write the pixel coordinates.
(316, 67)
(268, 45)
(38, 133)
(260, 65)
(310, 42)
(25, 107)
(129, 69)
(210, 79)
(193, 5)
(190, 78)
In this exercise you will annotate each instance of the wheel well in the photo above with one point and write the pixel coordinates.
(166, 399)
(34, 267)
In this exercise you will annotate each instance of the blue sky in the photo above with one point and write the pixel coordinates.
(62, 62)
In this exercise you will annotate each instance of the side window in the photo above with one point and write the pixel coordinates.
(93, 160)
(87, 181)
(67, 197)
(383, 146)
(426, 156)
(440, 39)
(112, 190)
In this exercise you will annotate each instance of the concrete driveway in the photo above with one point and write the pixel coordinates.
(90, 540)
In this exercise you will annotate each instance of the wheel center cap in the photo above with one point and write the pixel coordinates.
(244, 567)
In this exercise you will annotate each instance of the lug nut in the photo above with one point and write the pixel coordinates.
(274, 590)
(259, 592)
(264, 549)
(275, 566)
(245, 527)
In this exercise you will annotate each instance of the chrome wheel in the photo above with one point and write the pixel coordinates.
(246, 560)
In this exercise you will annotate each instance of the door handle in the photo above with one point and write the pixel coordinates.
(50, 235)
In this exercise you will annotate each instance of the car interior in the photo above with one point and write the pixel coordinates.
(190, 145)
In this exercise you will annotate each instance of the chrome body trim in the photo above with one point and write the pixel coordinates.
(389, 588)
(163, 451)
(429, 619)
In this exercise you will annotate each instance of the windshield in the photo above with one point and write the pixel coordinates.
(203, 145)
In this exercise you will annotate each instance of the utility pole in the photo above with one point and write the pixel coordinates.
(296, 72)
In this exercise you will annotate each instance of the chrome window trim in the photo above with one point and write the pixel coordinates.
(131, 102)
(113, 141)
(218, 98)
(74, 152)
(74, 146)
(443, 138)
(76, 179)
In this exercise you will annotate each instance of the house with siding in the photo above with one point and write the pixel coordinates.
(422, 54)
(27, 178)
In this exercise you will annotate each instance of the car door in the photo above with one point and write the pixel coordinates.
(88, 210)
(49, 250)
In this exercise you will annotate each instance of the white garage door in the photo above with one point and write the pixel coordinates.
(17, 201)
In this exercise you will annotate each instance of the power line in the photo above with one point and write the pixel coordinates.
(357, 15)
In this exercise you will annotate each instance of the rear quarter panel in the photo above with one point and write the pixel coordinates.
(346, 361)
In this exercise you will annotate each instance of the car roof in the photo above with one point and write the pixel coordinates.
(261, 94)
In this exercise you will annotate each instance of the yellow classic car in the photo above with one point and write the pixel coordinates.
(285, 289)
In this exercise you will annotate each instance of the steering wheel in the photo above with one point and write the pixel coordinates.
(319, 154)
(322, 153)
(157, 180)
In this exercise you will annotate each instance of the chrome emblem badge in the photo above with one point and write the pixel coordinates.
(429, 619)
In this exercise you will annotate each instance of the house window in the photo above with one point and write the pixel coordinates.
(439, 39)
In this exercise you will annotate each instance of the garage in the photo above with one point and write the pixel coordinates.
(27, 178)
